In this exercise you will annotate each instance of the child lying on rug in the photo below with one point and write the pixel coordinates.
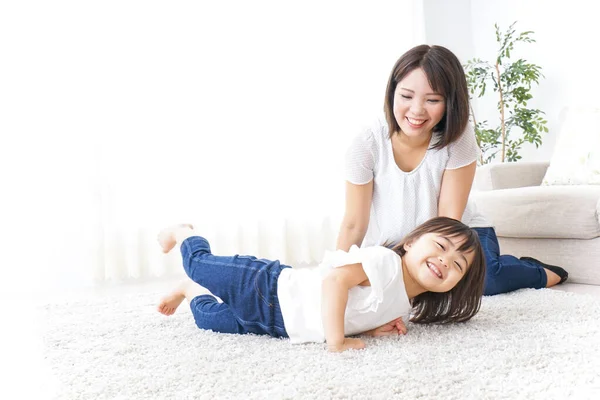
(435, 273)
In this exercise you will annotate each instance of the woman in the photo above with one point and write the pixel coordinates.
(419, 162)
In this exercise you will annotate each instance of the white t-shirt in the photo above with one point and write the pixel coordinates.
(369, 307)
(404, 200)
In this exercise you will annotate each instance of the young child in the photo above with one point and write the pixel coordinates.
(436, 273)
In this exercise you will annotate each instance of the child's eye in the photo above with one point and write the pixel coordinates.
(458, 265)
(440, 245)
(433, 101)
(405, 97)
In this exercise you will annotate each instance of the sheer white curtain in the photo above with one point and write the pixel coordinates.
(126, 116)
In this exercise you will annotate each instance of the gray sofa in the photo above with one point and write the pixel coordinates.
(559, 225)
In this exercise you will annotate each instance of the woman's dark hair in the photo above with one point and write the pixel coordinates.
(462, 302)
(446, 76)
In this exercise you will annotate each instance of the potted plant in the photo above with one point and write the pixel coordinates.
(512, 82)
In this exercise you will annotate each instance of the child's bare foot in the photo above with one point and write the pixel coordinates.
(187, 289)
(170, 302)
(167, 238)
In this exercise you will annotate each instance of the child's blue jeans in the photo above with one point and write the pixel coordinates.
(505, 273)
(247, 286)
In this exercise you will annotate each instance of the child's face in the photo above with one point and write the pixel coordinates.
(435, 263)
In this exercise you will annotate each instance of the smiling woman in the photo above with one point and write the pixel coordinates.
(149, 113)
(418, 162)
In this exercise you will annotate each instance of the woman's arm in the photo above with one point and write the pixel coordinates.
(455, 189)
(356, 217)
(334, 292)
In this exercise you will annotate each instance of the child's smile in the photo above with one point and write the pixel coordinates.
(435, 270)
(434, 262)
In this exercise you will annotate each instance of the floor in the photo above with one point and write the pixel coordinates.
(165, 285)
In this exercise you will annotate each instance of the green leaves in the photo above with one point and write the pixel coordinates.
(512, 154)
(488, 140)
(477, 73)
(521, 73)
(512, 81)
(507, 41)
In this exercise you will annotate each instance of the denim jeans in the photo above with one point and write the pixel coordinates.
(247, 286)
(505, 273)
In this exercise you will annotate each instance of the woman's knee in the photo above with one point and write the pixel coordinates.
(491, 288)
(492, 276)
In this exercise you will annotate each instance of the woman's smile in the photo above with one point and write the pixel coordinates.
(416, 123)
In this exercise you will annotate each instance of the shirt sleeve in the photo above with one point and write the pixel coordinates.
(464, 150)
(360, 159)
(381, 265)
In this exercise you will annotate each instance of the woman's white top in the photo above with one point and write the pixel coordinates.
(404, 200)
(369, 307)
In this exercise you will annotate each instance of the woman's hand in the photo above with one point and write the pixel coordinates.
(347, 344)
(394, 327)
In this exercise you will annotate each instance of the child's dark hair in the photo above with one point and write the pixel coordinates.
(462, 302)
(446, 76)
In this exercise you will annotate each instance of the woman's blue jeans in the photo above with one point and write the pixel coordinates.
(247, 286)
(505, 273)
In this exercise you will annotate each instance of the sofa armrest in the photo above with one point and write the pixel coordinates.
(509, 175)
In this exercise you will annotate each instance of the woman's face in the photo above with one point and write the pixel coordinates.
(417, 107)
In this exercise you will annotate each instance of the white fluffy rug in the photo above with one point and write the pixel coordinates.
(530, 344)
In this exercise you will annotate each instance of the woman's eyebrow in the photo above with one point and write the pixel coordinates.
(426, 94)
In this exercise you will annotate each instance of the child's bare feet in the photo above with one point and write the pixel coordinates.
(170, 302)
(187, 289)
(167, 238)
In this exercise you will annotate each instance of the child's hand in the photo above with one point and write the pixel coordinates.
(394, 327)
(347, 344)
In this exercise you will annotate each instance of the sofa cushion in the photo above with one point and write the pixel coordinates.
(562, 212)
(576, 157)
(509, 175)
(578, 257)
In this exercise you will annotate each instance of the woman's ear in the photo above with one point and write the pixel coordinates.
(407, 246)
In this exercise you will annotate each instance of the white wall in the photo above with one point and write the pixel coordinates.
(119, 117)
(447, 23)
(567, 34)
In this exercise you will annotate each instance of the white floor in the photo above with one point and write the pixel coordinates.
(22, 347)
(166, 284)
(112, 347)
